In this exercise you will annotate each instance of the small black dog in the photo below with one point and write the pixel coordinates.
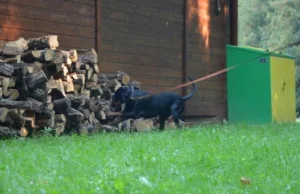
(162, 105)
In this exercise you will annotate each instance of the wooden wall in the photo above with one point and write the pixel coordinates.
(73, 20)
(141, 37)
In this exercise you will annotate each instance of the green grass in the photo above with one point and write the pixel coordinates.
(207, 159)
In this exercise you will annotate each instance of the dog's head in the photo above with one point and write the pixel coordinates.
(121, 96)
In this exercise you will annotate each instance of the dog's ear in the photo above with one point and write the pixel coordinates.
(120, 95)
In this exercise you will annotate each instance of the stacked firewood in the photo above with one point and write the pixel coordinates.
(42, 87)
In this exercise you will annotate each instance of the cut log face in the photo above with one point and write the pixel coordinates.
(3, 114)
(24, 132)
(142, 125)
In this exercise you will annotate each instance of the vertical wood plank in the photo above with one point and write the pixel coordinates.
(98, 29)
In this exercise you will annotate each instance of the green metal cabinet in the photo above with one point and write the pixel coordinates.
(261, 89)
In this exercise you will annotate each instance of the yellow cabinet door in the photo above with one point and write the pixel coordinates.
(283, 89)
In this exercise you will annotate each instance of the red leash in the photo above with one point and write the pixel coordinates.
(189, 83)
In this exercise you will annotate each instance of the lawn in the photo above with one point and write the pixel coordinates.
(204, 159)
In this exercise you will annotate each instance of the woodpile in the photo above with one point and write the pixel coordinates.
(44, 87)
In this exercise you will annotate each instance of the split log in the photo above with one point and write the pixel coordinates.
(90, 85)
(39, 94)
(31, 56)
(74, 114)
(86, 113)
(26, 105)
(29, 117)
(56, 85)
(50, 41)
(6, 69)
(102, 79)
(23, 90)
(35, 105)
(142, 125)
(109, 129)
(7, 132)
(87, 56)
(50, 106)
(16, 59)
(66, 57)
(119, 76)
(45, 119)
(86, 128)
(4, 82)
(12, 82)
(107, 94)
(86, 93)
(126, 125)
(15, 47)
(32, 68)
(18, 69)
(73, 55)
(96, 91)
(98, 104)
(15, 118)
(61, 105)
(89, 73)
(94, 78)
(69, 87)
(12, 94)
(35, 79)
(24, 132)
(3, 114)
(100, 115)
(60, 123)
(96, 68)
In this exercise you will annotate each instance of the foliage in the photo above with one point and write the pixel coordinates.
(206, 159)
(271, 24)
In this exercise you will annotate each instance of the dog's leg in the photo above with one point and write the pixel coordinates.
(176, 114)
(162, 120)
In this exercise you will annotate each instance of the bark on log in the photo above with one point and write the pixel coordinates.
(6, 69)
(23, 90)
(61, 105)
(96, 105)
(36, 79)
(35, 105)
(87, 56)
(39, 94)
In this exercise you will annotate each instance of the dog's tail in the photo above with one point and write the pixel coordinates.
(192, 93)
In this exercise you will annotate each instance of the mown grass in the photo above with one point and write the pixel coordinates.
(204, 159)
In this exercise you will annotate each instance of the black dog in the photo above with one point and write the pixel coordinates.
(124, 95)
(162, 105)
